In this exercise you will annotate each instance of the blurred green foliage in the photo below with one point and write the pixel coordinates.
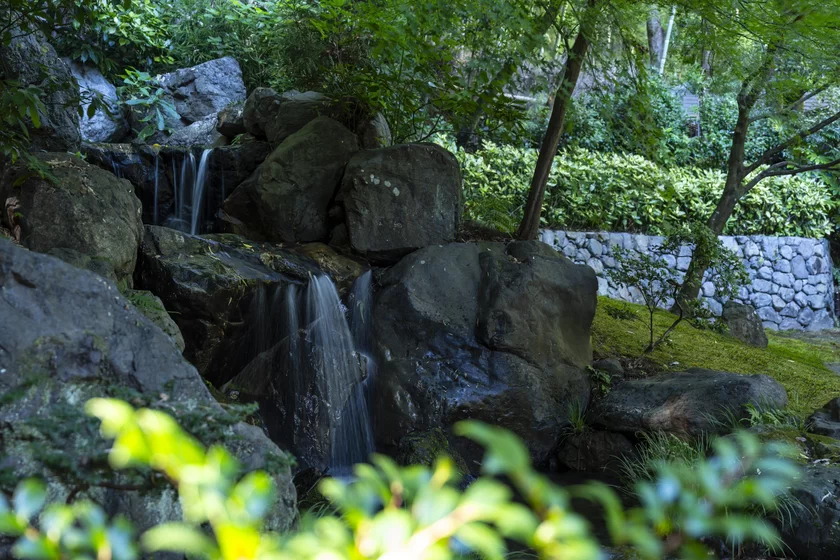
(392, 512)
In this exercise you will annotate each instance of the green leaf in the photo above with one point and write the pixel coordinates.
(29, 498)
(178, 537)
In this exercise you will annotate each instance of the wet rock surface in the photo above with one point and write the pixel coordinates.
(482, 331)
(692, 402)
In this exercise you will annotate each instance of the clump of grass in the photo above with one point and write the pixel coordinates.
(798, 365)
(662, 447)
(577, 418)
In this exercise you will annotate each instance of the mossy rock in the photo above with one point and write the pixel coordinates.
(424, 448)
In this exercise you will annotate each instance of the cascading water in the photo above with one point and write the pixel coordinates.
(189, 185)
(333, 354)
(157, 194)
(307, 370)
(360, 307)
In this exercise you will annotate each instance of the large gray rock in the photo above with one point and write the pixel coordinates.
(744, 324)
(108, 123)
(488, 332)
(67, 336)
(813, 530)
(275, 116)
(401, 198)
(231, 121)
(692, 402)
(85, 209)
(206, 89)
(288, 197)
(31, 61)
(200, 133)
(295, 111)
(261, 108)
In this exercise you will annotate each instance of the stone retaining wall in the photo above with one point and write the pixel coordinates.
(791, 277)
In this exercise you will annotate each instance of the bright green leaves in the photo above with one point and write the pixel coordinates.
(80, 530)
(389, 512)
(150, 103)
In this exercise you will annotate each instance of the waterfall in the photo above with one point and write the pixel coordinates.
(155, 209)
(189, 185)
(360, 317)
(198, 191)
(338, 367)
(308, 373)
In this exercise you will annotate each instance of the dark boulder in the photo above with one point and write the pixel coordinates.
(31, 61)
(744, 324)
(595, 451)
(812, 530)
(260, 108)
(273, 116)
(85, 209)
(108, 123)
(67, 336)
(826, 421)
(401, 198)
(692, 402)
(288, 197)
(494, 333)
(231, 122)
(208, 284)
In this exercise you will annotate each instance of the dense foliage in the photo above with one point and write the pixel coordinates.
(393, 512)
(616, 192)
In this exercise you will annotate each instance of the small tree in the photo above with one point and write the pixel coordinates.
(659, 283)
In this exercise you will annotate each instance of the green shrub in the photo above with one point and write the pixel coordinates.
(614, 192)
(391, 512)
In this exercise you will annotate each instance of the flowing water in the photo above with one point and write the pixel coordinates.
(340, 375)
(189, 186)
(312, 365)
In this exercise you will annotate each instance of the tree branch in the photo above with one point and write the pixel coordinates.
(768, 155)
(795, 170)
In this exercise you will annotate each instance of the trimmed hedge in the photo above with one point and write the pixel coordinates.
(615, 192)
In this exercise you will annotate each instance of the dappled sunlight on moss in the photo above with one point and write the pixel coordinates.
(797, 364)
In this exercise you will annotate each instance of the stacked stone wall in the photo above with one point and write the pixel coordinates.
(791, 284)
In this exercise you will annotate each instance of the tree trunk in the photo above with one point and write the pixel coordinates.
(726, 205)
(667, 41)
(530, 226)
(656, 37)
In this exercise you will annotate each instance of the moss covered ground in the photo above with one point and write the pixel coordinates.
(797, 362)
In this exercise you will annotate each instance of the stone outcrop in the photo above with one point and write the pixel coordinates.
(826, 421)
(487, 332)
(203, 90)
(288, 197)
(67, 336)
(693, 402)
(29, 59)
(743, 323)
(208, 284)
(400, 199)
(85, 209)
(108, 123)
(812, 532)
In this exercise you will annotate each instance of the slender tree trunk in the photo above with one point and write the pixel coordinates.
(667, 40)
(656, 37)
(530, 226)
(726, 204)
